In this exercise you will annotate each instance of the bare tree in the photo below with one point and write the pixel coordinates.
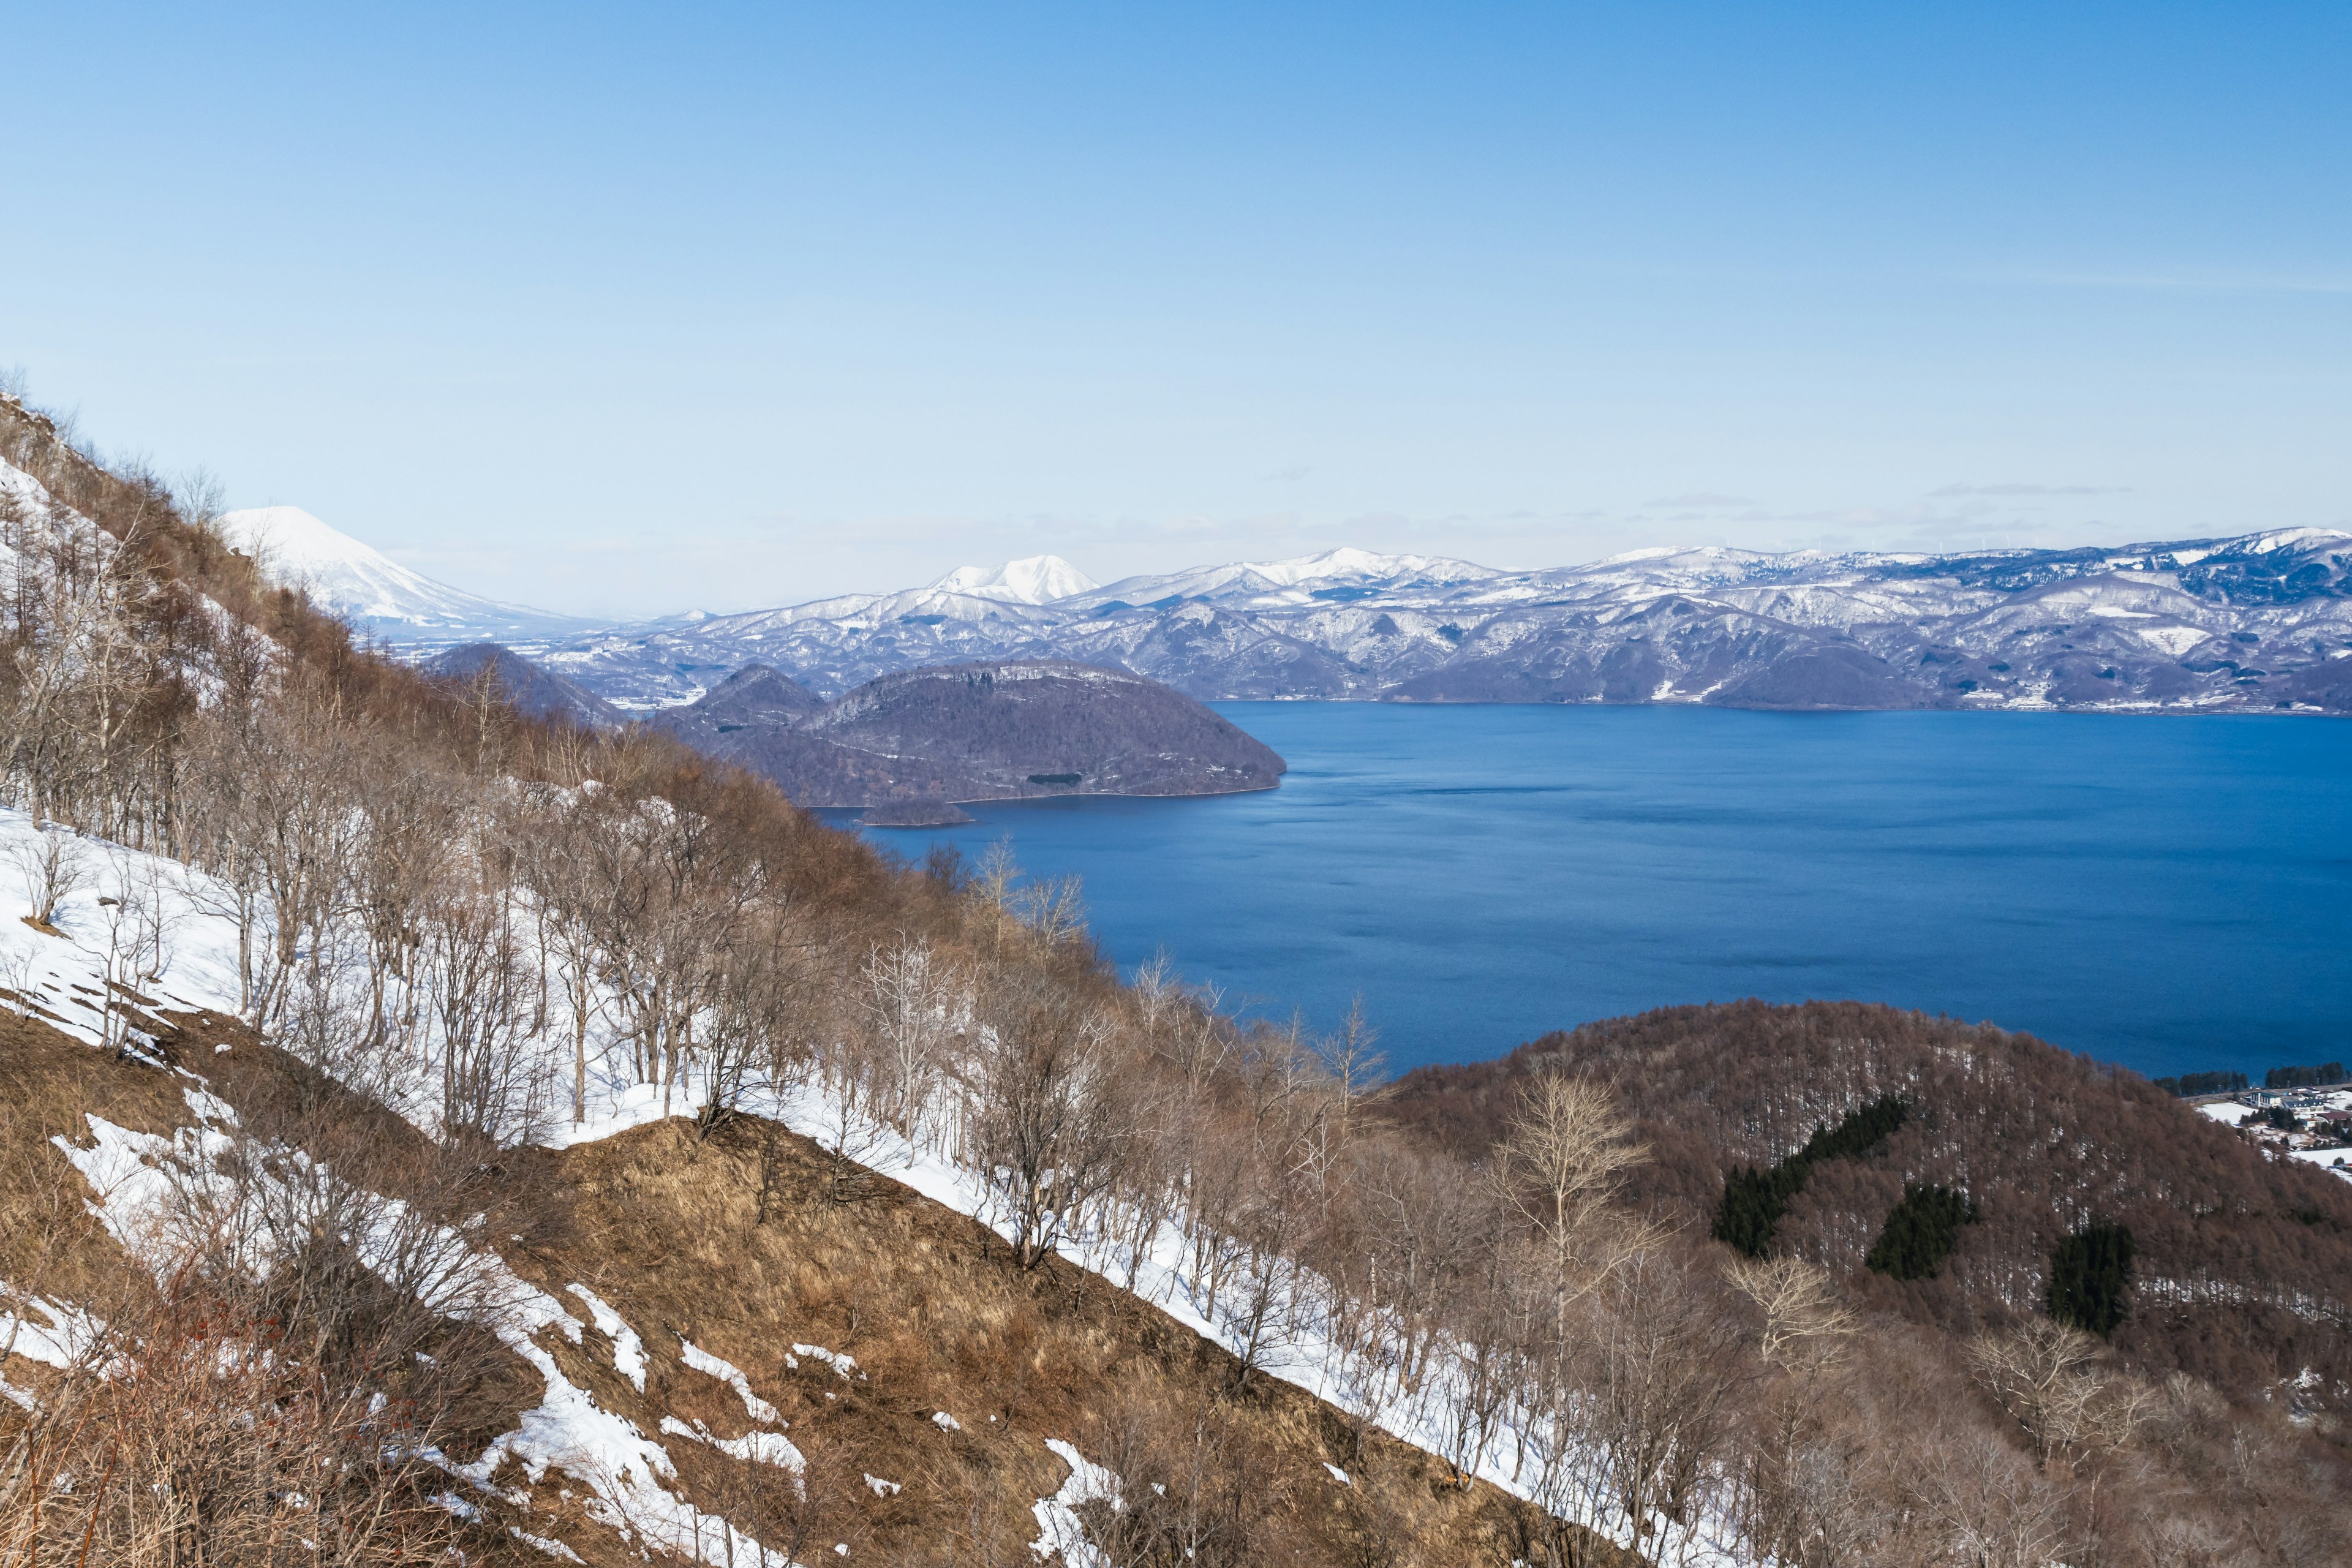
(761, 999)
(1354, 1065)
(855, 1078)
(1560, 1167)
(2053, 1382)
(1054, 909)
(1050, 1123)
(52, 863)
(492, 1068)
(136, 921)
(1803, 1321)
(910, 990)
(1661, 1365)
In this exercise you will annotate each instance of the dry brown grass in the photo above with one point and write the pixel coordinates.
(938, 1318)
(667, 1228)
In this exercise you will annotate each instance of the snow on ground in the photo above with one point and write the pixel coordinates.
(2338, 1162)
(569, 1430)
(727, 1372)
(765, 1448)
(198, 972)
(54, 1334)
(843, 1364)
(628, 1350)
(1058, 1526)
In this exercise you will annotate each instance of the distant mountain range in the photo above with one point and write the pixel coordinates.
(2258, 621)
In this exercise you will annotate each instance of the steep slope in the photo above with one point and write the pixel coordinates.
(376, 595)
(535, 691)
(709, 1344)
(969, 732)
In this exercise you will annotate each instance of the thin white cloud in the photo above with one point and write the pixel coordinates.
(1701, 499)
(2006, 490)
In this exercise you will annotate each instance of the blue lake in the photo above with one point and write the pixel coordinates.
(2170, 893)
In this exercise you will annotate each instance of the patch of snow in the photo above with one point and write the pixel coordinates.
(542, 1544)
(758, 1447)
(727, 1372)
(209, 1107)
(945, 1422)
(68, 1336)
(840, 1363)
(628, 1350)
(1058, 1527)
(2173, 640)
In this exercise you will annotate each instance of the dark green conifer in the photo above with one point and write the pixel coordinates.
(1753, 1200)
(1920, 1232)
(2090, 1275)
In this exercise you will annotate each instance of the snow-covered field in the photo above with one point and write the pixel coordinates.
(2229, 1113)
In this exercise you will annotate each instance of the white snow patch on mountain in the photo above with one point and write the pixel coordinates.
(727, 1372)
(369, 588)
(628, 1349)
(1059, 1529)
(1032, 580)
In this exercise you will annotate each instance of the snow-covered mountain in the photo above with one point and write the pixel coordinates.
(379, 596)
(2255, 621)
(1032, 580)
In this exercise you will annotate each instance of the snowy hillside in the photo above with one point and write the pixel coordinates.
(185, 956)
(378, 596)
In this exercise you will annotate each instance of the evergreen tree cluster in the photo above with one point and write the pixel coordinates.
(2304, 1077)
(2089, 1275)
(1921, 1231)
(2190, 1083)
(1753, 1200)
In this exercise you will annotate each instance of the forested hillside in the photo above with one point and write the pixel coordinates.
(435, 1135)
(974, 731)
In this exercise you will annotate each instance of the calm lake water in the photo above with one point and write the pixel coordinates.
(2170, 893)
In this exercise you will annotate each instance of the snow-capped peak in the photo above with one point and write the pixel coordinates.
(1349, 563)
(298, 550)
(367, 587)
(1032, 580)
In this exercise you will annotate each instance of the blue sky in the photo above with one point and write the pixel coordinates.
(628, 310)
